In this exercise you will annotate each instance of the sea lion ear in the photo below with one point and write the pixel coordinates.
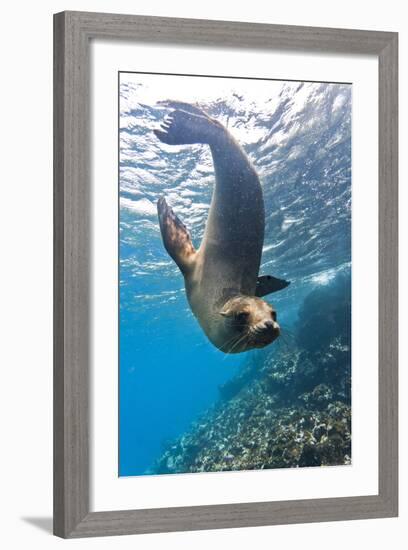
(176, 238)
(268, 284)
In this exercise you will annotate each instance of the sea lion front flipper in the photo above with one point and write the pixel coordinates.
(266, 284)
(176, 238)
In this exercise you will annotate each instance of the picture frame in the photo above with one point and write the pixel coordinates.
(73, 32)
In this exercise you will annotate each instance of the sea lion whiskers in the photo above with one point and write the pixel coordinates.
(256, 329)
(240, 340)
(284, 340)
(229, 341)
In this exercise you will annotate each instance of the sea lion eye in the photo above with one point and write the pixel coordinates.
(242, 316)
(274, 315)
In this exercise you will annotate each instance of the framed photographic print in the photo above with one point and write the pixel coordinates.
(225, 274)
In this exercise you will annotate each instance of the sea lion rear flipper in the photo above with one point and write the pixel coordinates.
(188, 107)
(182, 127)
(176, 238)
(266, 284)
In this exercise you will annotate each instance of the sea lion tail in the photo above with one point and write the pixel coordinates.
(187, 124)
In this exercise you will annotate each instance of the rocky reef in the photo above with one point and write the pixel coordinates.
(290, 406)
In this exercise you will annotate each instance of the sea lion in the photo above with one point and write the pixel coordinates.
(222, 280)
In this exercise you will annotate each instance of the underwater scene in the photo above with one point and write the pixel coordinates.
(234, 274)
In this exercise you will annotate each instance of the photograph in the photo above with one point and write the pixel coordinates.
(234, 274)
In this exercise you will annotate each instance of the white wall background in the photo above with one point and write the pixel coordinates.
(26, 273)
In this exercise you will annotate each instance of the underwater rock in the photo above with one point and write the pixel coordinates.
(287, 408)
(325, 314)
(232, 387)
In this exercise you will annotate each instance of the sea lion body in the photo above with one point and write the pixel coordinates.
(229, 257)
(222, 277)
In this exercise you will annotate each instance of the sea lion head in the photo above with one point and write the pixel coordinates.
(249, 322)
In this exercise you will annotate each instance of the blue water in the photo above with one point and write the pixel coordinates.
(298, 136)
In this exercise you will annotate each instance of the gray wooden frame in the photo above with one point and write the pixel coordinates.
(72, 34)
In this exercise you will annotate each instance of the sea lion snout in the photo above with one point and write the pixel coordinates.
(270, 326)
(266, 332)
(267, 325)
